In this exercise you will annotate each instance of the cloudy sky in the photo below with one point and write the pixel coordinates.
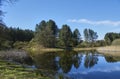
(100, 15)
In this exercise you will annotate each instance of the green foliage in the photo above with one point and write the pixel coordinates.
(40, 27)
(116, 42)
(83, 45)
(51, 25)
(46, 33)
(110, 37)
(76, 37)
(8, 36)
(98, 43)
(18, 34)
(86, 35)
(65, 36)
(20, 45)
(90, 35)
(4, 42)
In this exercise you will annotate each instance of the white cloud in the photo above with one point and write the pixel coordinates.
(102, 22)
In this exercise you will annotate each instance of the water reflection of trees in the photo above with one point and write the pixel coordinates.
(112, 59)
(65, 60)
(68, 60)
(46, 61)
(77, 58)
(90, 60)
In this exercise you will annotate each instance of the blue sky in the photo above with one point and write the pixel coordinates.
(100, 15)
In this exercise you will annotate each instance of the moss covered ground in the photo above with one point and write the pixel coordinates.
(10, 70)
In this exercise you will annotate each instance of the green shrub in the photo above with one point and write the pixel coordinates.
(5, 44)
(83, 44)
(20, 45)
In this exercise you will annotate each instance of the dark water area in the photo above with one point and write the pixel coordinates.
(79, 65)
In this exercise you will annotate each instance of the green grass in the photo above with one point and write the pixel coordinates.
(12, 71)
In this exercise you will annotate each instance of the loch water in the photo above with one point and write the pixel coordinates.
(79, 65)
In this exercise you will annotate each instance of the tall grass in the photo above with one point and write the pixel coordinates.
(112, 50)
(116, 42)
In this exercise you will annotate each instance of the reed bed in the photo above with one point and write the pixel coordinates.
(87, 49)
(111, 50)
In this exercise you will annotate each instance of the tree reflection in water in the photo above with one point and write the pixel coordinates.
(90, 60)
(65, 60)
(77, 58)
(46, 61)
(68, 59)
(112, 59)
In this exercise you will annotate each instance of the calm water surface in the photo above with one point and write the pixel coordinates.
(79, 65)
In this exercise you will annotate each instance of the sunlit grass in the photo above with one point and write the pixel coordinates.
(82, 49)
(12, 71)
(112, 50)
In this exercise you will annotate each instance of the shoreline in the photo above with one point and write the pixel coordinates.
(59, 49)
(110, 50)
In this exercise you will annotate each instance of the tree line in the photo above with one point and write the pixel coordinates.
(49, 35)
(9, 36)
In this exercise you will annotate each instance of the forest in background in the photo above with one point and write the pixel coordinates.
(48, 35)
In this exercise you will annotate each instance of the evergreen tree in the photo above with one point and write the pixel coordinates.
(86, 35)
(65, 36)
(46, 33)
(41, 26)
(76, 37)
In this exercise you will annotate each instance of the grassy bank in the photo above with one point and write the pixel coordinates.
(42, 50)
(9, 70)
(82, 49)
(36, 48)
(112, 50)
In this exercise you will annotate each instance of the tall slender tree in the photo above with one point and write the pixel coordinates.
(65, 36)
(90, 35)
(41, 26)
(86, 35)
(76, 37)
